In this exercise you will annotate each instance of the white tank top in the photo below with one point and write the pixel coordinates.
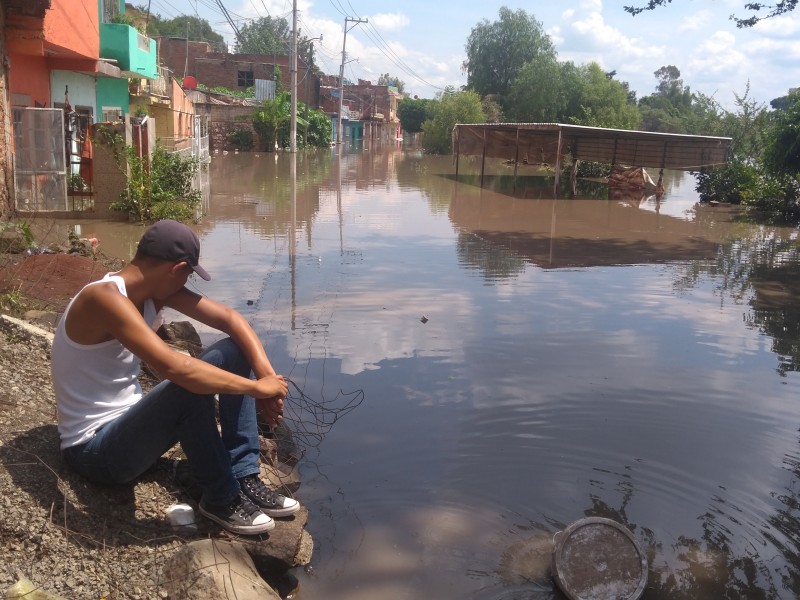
(93, 383)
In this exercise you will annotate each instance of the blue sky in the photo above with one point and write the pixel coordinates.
(422, 42)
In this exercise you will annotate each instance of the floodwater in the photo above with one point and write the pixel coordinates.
(475, 369)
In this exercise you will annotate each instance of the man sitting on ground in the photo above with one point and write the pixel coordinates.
(111, 433)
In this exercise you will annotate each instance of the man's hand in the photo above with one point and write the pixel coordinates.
(271, 409)
(271, 386)
(270, 403)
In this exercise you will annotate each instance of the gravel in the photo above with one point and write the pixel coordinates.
(65, 535)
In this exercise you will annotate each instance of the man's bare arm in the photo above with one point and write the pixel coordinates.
(231, 322)
(118, 316)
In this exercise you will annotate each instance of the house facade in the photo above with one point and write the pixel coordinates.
(57, 81)
(236, 71)
(368, 111)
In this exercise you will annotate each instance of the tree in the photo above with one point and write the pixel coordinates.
(412, 114)
(496, 51)
(184, 26)
(537, 94)
(669, 108)
(781, 7)
(270, 117)
(782, 155)
(604, 101)
(450, 107)
(386, 79)
(266, 35)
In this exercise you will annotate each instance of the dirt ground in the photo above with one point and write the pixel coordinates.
(50, 280)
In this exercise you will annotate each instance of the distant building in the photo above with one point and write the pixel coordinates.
(235, 71)
(369, 111)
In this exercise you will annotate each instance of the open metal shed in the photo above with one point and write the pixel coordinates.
(550, 143)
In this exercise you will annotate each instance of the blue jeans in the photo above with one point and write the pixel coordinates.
(129, 445)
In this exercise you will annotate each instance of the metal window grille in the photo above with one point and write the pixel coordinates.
(40, 176)
(245, 79)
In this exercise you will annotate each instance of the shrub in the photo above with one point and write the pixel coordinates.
(159, 188)
(241, 138)
(729, 183)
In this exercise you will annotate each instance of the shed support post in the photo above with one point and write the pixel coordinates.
(458, 147)
(516, 161)
(558, 165)
(483, 156)
(660, 184)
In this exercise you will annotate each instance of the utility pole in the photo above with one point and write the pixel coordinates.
(341, 72)
(293, 72)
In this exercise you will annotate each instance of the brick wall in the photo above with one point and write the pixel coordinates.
(173, 54)
(221, 70)
(224, 120)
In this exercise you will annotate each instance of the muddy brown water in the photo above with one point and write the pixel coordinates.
(475, 369)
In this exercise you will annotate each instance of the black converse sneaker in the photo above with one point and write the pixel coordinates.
(240, 516)
(268, 500)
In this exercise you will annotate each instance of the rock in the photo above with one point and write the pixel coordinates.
(182, 335)
(12, 240)
(214, 569)
(285, 548)
(27, 590)
(42, 318)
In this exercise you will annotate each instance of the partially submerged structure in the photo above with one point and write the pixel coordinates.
(553, 143)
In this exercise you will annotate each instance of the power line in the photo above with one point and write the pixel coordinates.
(394, 58)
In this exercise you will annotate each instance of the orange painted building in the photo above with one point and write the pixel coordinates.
(65, 39)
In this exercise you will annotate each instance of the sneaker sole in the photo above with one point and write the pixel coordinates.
(240, 529)
(280, 512)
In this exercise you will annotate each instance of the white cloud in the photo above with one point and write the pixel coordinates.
(696, 22)
(717, 54)
(594, 30)
(780, 27)
(389, 21)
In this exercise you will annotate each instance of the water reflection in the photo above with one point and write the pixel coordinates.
(582, 357)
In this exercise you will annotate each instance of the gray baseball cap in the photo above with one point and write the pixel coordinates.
(173, 241)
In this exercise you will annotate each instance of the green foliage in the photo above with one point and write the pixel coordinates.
(10, 233)
(412, 114)
(183, 26)
(782, 155)
(386, 79)
(781, 7)
(319, 133)
(75, 183)
(604, 102)
(450, 107)
(159, 188)
(266, 35)
(492, 110)
(537, 94)
(249, 92)
(727, 183)
(241, 138)
(496, 51)
(671, 107)
(774, 198)
(270, 117)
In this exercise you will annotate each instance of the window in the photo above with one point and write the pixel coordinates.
(112, 114)
(245, 79)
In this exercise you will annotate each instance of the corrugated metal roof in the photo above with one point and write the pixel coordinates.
(535, 143)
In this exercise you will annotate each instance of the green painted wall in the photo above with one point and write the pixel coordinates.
(135, 54)
(110, 93)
